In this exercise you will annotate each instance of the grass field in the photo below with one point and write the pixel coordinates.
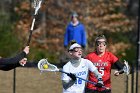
(30, 80)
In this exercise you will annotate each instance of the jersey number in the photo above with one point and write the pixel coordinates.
(101, 70)
(78, 81)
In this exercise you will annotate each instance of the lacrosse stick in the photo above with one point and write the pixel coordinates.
(126, 68)
(37, 5)
(44, 65)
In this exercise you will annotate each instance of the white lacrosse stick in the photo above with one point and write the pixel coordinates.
(44, 65)
(126, 68)
(37, 5)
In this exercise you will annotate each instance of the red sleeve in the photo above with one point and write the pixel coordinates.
(113, 58)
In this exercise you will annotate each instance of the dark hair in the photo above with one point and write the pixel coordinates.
(100, 37)
(71, 43)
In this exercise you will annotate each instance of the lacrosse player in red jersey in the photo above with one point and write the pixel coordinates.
(78, 67)
(103, 60)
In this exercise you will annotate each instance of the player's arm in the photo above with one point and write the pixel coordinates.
(93, 69)
(15, 59)
(12, 60)
(67, 79)
(12, 66)
(69, 83)
(8, 67)
(99, 77)
(119, 66)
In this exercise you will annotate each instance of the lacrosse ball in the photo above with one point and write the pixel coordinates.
(45, 66)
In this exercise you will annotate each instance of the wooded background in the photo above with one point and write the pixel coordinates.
(117, 19)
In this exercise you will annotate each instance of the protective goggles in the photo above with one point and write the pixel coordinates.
(101, 42)
(77, 49)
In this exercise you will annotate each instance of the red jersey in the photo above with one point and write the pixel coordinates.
(104, 65)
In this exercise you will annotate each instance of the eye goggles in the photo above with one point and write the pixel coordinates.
(77, 49)
(101, 42)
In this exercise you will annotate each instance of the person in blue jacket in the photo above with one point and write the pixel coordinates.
(75, 31)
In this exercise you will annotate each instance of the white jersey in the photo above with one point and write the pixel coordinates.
(80, 71)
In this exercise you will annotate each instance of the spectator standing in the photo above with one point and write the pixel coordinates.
(75, 30)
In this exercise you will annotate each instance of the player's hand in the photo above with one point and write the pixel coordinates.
(23, 61)
(26, 49)
(116, 73)
(99, 83)
(72, 76)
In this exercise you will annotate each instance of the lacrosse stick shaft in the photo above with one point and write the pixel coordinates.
(33, 22)
(79, 78)
(82, 79)
(31, 30)
(29, 39)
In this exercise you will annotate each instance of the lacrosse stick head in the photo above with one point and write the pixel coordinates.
(44, 65)
(126, 68)
(36, 5)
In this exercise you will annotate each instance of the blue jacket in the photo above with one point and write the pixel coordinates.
(76, 33)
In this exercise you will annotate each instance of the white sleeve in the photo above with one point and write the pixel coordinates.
(94, 69)
(91, 66)
(64, 76)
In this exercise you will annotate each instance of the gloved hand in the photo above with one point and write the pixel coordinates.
(72, 76)
(100, 83)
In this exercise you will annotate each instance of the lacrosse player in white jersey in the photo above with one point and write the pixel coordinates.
(78, 66)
